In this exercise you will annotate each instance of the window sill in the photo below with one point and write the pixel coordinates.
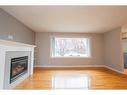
(71, 57)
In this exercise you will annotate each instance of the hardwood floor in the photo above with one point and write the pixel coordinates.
(101, 78)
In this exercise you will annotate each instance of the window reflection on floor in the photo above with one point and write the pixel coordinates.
(70, 82)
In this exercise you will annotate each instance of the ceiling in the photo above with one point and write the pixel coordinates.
(80, 19)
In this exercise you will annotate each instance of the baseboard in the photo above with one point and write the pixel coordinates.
(114, 70)
(104, 66)
(69, 66)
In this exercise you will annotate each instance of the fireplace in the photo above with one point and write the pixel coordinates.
(19, 67)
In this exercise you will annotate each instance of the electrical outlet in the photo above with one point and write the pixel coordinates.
(10, 37)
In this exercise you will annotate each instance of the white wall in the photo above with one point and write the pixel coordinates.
(113, 49)
(43, 51)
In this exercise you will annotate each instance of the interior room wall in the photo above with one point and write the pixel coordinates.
(124, 36)
(106, 48)
(12, 29)
(124, 44)
(113, 52)
(43, 58)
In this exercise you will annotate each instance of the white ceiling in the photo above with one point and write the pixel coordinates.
(95, 19)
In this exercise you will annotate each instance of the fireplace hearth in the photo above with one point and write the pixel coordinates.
(19, 67)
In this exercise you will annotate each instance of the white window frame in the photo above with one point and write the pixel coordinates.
(52, 47)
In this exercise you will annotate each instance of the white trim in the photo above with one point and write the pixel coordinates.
(114, 69)
(6, 46)
(71, 66)
(84, 66)
(13, 43)
(89, 46)
(85, 57)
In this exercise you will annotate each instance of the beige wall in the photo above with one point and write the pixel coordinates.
(10, 26)
(43, 51)
(106, 48)
(113, 49)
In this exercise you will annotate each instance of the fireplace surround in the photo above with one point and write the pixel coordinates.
(8, 51)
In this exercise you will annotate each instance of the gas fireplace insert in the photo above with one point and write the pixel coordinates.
(19, 67)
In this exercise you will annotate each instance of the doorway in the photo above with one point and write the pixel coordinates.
(124, 45)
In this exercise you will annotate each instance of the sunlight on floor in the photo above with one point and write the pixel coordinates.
(70, 81)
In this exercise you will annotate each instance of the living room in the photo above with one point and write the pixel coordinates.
(63, 47)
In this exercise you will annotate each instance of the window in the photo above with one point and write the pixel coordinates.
(70, 47)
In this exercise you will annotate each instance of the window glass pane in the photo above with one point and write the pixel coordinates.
(71, 47)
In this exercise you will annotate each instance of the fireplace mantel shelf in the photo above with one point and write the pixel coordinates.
(12, 43)
(10, 46)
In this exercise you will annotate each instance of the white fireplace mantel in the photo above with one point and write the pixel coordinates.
(13, 46)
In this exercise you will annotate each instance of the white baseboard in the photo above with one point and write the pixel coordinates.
(83, 66)
(70, 66)
(114, 70)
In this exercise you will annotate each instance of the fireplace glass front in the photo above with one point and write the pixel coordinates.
(19, 67)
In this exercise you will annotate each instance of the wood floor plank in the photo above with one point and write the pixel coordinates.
(101, 78)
